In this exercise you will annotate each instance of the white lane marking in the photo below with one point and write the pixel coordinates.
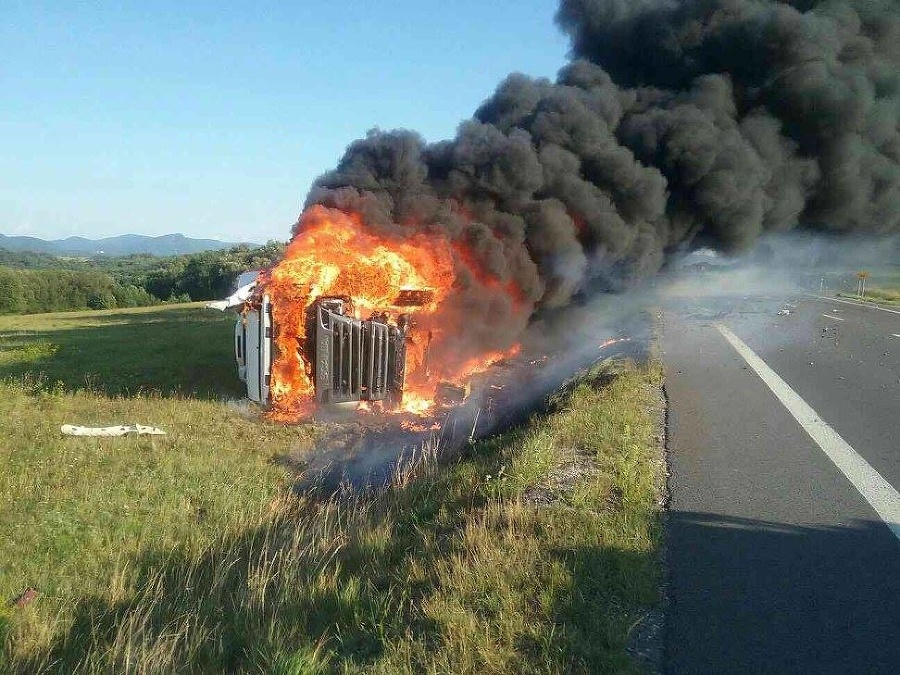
(858, 304)
(836, 318)
(880, 494)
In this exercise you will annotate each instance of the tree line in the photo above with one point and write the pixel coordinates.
(37, 282)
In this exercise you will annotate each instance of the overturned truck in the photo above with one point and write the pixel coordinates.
(356, 360)
(351, 360)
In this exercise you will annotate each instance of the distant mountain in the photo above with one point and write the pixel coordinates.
(126, 244)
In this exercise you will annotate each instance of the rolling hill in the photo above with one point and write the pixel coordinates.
(126, 244)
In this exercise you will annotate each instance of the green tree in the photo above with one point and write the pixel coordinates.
(12, 293)
(102, 300)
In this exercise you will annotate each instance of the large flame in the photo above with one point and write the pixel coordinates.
(333, 254)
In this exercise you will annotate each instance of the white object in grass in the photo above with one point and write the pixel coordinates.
(121, 430)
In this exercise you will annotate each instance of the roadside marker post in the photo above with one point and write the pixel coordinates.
(861, 283)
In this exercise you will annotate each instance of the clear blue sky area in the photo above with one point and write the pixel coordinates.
(213, 118)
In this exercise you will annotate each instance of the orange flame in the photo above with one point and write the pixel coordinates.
(334, 254)
(480, 364)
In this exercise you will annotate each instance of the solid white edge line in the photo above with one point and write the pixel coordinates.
(858, 304)
(836, 318)
(880, 494)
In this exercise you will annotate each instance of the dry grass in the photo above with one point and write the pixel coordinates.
(170, 555)
(74, 512)
(885, 296)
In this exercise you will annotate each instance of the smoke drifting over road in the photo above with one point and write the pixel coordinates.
(676, 125)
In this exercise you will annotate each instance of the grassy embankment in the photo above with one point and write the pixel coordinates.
(883, 288)
(881, 296)
(187, 553)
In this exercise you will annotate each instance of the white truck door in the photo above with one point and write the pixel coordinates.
(258, 351)
(265, 350)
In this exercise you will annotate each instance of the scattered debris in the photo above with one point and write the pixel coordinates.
(121, 430)
(448, 393)
(830, 332)
(27, 597)
(784, 312)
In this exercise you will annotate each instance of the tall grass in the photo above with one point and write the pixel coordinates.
(189, 553)
(77, 513)
(454, 569)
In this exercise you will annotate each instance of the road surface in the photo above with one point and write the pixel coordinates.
(777, 562)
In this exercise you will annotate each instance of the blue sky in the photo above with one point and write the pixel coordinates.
(213, 118)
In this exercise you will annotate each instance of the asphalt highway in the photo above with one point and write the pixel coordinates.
(778, 563)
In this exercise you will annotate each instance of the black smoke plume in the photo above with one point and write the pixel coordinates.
(677, 124)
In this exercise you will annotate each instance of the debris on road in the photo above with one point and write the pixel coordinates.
(121, 430)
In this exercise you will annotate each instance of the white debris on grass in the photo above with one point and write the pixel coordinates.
(120, 430)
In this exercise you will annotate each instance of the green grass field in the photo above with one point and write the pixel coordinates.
(883, 296)
(882, 287)
(181, 349)
(189, 554)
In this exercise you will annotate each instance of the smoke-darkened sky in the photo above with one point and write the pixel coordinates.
(676, 125)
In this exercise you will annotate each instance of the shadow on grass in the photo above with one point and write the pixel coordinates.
(611, 590)
(183, 351)
(204, 612)
(343, 584)
(343, 600)
(247, 617)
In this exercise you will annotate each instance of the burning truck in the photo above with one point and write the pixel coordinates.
(348, 317)
(349, 359)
